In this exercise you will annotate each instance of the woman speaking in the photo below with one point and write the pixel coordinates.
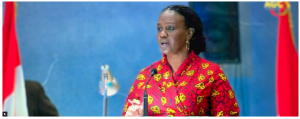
(185, 84)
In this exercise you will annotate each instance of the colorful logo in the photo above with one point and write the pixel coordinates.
(282, 7)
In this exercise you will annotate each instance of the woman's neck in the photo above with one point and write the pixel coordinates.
(175, 60)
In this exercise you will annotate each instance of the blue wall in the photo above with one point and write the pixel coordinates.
(63, 45)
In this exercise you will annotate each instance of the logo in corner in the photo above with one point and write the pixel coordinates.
(282, 7)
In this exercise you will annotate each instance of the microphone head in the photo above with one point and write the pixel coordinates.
(153, 71)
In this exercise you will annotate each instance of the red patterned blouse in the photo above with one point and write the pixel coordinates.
(198, 88)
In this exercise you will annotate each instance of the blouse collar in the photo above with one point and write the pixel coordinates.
(185, 64)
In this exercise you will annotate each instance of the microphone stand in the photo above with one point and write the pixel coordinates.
(105, 95)
(153, 72)
(146, 99)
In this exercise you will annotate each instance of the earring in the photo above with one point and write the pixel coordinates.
(187, 44)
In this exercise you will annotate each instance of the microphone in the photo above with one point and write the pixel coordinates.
(153, 72)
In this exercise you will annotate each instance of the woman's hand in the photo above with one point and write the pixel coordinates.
(136, 109)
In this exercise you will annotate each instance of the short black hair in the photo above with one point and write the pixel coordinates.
(191, 20)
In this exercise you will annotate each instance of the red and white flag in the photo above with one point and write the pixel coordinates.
(14, 94)
(286, 65)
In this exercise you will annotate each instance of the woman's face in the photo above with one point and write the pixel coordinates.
(172, 33)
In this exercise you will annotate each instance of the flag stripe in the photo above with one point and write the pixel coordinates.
(21, 105)
(14, 94)
(286, 67)
(9, 50)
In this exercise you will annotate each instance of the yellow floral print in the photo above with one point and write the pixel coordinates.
(201, 77)
(190, 73)
(210, 72)
(200, 85)
(164, 83)
(211, 79)
(215, 93)
(177, 100)
(201, 111)
(231, 95)
(157, 77)
(125, 107)
(170, 111)
(176, 84)
(180, 110)
(163, 100)
(155, 109)
(131, 89)
(182, 72)
(189, 67)
(182, 97)
(199, 99)
(159, 67)
(205, 65)
(150, 99)
(222, 76)
(148, 86)
(235, 104)
(183, 83)
(170, 84)
(219, 114)
(140, 77)
(232, 113)
(140, 84)
(163, 89)
(166, 75)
